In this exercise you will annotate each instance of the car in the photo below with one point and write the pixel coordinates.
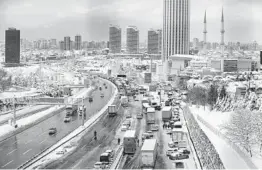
(158, 107)
(179, 165)
(147, 136)
(102, 95)
(124, 128)
(67, 119)
(68, 146)
(184, 151)
(98, 165)
(170, 151)
(129, 115)
(172, 144)
(61, 152)
(178, 156)
(154, 127)
(52, 131)
(100, 88)
(111, 152)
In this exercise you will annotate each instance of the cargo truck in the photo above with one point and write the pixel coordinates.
(124, 101)
(149, 153)
(150, 115)
(130, 142)
(112, 111)
(166, 113)
(71, 109)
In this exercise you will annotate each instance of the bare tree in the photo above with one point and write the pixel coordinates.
(257, 124)
(240, 129)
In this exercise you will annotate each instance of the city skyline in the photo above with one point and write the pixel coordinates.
(93, 18)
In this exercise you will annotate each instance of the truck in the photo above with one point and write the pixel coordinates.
(112, 111)
(71, 109)
(166, 113)
(150, 115)
(130, 142)
(124, 101)
(149, 153)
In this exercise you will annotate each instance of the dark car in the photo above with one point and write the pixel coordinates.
(158, 108)
(184, 151)
(52, 131)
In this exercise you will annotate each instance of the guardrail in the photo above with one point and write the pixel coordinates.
(243, 155)
(119, 155)
(35, 159)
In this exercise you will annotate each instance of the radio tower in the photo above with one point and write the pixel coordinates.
(222, 33)
(205, 34)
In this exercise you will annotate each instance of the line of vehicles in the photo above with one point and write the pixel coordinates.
(105, 160)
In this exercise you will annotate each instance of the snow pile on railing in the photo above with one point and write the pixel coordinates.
(208, 156)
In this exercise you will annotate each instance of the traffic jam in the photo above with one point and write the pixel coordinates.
(160, 114)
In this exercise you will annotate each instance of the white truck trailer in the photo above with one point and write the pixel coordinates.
(166, 113)
(150, 114)
(149, 153)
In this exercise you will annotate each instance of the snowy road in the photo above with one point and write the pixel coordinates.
(21, 147)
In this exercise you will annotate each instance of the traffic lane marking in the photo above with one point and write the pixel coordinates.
(28, 142)
(41, 134)
(77, 164)
(7, 164)
(43, 141)
(11, 152)
(27, 151)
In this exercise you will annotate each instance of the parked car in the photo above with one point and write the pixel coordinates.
(170, 151)
(179, 165)
(67, 119)
(102, 95)
(172, 144)
(184, 151)
(178, 156)
(52, 131)
(124, 128)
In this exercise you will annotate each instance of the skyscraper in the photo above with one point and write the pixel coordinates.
(78, 42)
(12, 46)
(176, 27)
(154, 38)
(114, 39)
(132, 40)
(53, 43)
(67, 43)
(62, 45)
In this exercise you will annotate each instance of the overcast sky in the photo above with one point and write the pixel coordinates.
(91, 18)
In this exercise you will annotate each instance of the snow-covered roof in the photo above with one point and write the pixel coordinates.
(167, 108)
(149, 145)
(150, 109)
(130, 134)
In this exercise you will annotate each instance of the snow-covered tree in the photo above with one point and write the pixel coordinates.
(222, 93)
(212, 95)
(240, 129)
(257, 124)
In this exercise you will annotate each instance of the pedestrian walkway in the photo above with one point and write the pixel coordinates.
(230, 158)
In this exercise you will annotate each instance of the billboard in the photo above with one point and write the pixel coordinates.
(148, 78)
(230, 65)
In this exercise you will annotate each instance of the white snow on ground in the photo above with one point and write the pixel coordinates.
(230, 158)
(20, 112)
(25, 71)
(53, 155)
(32, 92)
(216, 118)
(5, 129)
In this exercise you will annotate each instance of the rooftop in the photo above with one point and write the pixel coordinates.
(130, 134)
(149, 144)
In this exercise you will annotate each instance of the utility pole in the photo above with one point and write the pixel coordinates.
(84, 113)
(14, 112)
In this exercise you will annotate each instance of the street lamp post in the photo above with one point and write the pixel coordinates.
(14, 123)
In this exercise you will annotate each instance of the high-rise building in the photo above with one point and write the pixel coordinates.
(132, 40)
(176, 28)
(222, 33)
(85, 44)
(78, 42)
(196, 43)
(12, 46)
(72, 45)
(67, 43)
(114, 39)
(61, 45)
(154, 41)
(53, 43)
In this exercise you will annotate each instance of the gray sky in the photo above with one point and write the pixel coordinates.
(90, 18)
